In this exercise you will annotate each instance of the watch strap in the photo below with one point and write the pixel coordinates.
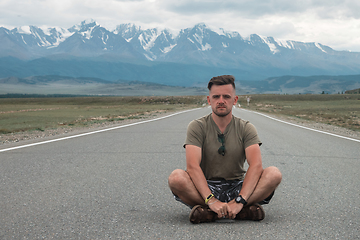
(242, 200)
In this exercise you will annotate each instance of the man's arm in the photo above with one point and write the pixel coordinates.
(252, 176)
(193, 159)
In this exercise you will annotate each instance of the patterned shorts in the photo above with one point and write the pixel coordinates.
(226, 190)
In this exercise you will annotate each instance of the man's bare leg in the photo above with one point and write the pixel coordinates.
(181, 185)
(269, 180)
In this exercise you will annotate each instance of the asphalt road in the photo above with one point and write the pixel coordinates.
(113, 185)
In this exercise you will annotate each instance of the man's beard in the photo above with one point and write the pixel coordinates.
(222, 114)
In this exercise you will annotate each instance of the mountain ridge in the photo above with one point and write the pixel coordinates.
(157, 55)
(52, 37)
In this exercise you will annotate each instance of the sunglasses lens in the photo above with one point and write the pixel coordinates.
(221, 150)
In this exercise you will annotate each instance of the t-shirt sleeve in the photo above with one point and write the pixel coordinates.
(194, 134)
(251, 136)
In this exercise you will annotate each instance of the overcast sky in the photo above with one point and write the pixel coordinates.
(335, 23)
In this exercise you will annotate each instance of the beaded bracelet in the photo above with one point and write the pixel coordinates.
(213, 202)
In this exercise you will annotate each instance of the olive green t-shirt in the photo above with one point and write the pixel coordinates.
(239, 135)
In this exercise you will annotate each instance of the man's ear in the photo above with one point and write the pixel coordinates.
(236, 99)
(208, 100)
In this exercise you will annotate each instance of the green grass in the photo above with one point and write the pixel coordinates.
(341, 110)
(21, 114)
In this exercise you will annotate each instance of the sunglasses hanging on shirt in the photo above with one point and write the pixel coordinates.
(221, 150)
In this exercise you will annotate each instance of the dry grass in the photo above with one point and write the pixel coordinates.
(341, 110)
(28, 114)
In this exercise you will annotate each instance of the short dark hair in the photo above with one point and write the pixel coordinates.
(222, 80)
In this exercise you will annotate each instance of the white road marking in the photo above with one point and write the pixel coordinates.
(98, 131)
(311, 129)
(152, 120)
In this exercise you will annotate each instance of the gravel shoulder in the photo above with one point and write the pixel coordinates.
(65, 131)
(6, 139)
(318, 126)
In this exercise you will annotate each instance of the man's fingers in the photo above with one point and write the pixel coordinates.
(228, 210)
(222, 212)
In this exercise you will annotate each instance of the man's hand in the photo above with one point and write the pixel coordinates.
(234, 209)
(220, 208)
(227, 210)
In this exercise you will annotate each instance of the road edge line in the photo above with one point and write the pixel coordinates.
(311, 129)
(94, 132)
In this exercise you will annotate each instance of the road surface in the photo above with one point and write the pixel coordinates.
(113, 185)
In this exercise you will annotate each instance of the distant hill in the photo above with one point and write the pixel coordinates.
(297, 84)
(355, 91)
(54, 84)
(91, 86)
(172, 74)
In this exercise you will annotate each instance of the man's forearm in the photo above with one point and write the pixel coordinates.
(253, 174)
(251, 179)
(199, 180)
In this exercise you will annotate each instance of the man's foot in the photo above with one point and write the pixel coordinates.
(253, 212)
(201, 214)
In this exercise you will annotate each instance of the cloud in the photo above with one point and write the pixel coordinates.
(255, 9)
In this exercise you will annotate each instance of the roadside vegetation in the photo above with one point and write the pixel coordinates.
(341, 110)
(40, 114)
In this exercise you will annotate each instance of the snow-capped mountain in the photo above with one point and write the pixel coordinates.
(256, 57)
(154, 44)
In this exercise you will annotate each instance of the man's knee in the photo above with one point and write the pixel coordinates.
(273, 175)
(177, 179)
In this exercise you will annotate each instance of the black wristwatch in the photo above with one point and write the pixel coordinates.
(240, 199)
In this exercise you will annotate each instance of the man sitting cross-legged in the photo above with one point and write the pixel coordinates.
(217, 145)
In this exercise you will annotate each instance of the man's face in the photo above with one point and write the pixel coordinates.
(221, 99)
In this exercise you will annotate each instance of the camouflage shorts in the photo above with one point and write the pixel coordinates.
(226, 190)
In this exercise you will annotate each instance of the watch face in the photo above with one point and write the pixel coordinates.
(239, 199)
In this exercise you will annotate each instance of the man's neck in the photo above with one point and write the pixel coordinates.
(222, 122)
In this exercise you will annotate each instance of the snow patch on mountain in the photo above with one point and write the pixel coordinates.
(206, 47)
(169, 48)
(83, 25)
(285, 43)
(199, 36)
(22, 37)
(228, 34)
(127, 31)
(319, 47)
(149, 58)
(219, 31)
(24, 30)
(87, 34)
(42, 42)
(104, 38)
(270, 44)
(173, 33)
(148, 39)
